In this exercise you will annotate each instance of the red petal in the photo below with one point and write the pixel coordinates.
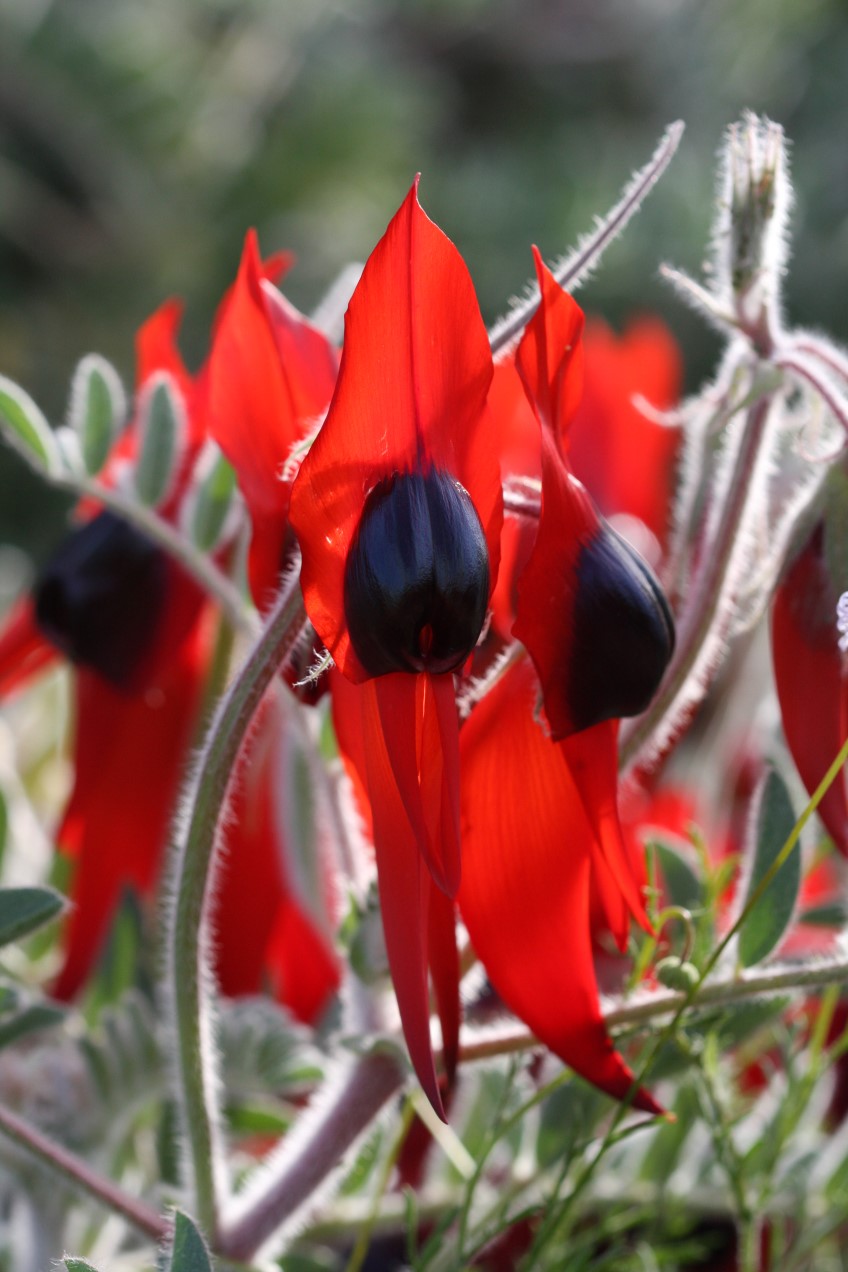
(262, 933)
(421, 730)
(550, 356)
(592, 757)
(156, 350)
(406, 904)
(129, 754)
(549, 584)
(412, 385)
(526, 878)
(23, 650)
(812, 680)
(268, 376)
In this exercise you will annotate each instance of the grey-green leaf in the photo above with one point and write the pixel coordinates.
(22, 910)
(189, 1253)
(682, 883)
(24, 427)
(212, 503)
(78, 1265)
(162, 426)
(765, 925)
(97, 409)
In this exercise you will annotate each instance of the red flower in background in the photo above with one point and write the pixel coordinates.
(138, 630)
(397, 509)
(811, 677)
(625, 458)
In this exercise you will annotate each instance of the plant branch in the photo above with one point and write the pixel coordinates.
(310, 1153)
(573, 268)
(198, 564)
(777, 979)
(187, 936)
(78, 1172)
(707, 616)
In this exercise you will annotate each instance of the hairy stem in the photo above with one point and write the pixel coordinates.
(188, 976)
(706, 615)
(573, 268)
(314, 1150)
(78, 1172)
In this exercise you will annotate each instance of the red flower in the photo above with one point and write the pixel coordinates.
(138, 630)
(398, 508)
(269, 378)
(545, 863)
(812, 678)
(532, 876)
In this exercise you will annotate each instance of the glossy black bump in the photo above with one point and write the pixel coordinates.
(416, 576)
(623, 632)
(100, 596)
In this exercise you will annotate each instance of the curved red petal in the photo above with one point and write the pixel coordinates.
(405, 888)
(411, 393)
(527, 872)
(23, 650)
(421, 730)
(262, 935)
(812, 680)
(549, 584)
(592, 757)
(549, 358)
(129, 753)
(268, 376)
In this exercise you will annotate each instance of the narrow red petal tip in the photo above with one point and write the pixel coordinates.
(525, 898)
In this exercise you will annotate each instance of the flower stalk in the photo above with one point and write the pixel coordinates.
(187, 936)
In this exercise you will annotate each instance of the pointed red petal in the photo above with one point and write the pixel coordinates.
(592, 757)
(262, 934)
(129, 752)
(405, 899)
(421, 730)
(812, 680)
(412, 385)
(23, 650)
(156, 350)
(268, 376)
(527, 868)
(550, 356)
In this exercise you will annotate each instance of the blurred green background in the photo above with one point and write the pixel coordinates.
(139, 141)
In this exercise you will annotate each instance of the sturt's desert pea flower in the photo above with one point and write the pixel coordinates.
(398, 510)
(139, 632)
(541, 833)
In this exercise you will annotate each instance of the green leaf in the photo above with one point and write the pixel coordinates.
(189, 1253)
(24, 427)
(212, 501)
(97, 409)
(682, 882)
(770, 917)
(162, 426)
(32, 1018)
(22, 910)
(78, 1265)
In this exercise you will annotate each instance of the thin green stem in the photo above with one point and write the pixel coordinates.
(187, 937)
(688, 998)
